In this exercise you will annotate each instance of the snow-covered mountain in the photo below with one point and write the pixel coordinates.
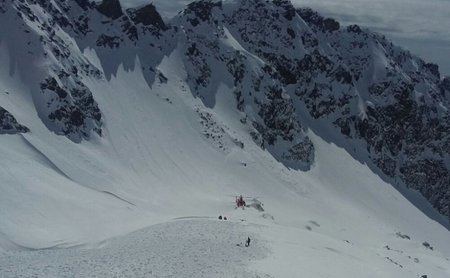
(113, 120)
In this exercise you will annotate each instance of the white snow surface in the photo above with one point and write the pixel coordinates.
(197, 247)
(143, 199)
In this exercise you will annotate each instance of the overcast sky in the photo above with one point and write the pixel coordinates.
(422, 26)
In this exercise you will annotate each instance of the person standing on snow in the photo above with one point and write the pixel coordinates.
(240, 202)
(247, 242)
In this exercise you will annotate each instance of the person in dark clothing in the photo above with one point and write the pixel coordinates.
(247, 242)
(220, 217)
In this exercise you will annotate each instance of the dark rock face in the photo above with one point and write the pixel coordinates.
(434, 69)
(110, 8)
(404, 127)
(274, 26)
(354, 29)
(303, 151)
(147, 16)
(72, 109)
(286, 5)
(278, 124)
(315, 19)
(85, 4)
(108, 41)
(201, 10)
(9, 125)
(444, 87)
(278, 117)
(64, 103)
(276, 127)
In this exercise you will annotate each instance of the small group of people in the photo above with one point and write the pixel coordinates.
(222, 218)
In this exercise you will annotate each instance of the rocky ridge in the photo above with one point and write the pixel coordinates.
(291, 70)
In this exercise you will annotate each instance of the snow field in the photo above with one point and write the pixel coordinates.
(194, 247)
(154, 163)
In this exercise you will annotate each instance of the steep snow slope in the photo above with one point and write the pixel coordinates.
(368, 94)
(167, 146)
(305, 226)
(339, 214)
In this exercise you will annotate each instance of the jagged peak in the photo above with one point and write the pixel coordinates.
(202, 10)
(289, 13)
(354, 28)
(433, 69)
(285, 5)
(110, 8)
(312, 17)
(147, 15)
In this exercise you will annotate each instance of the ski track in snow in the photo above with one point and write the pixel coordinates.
(183, 248)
